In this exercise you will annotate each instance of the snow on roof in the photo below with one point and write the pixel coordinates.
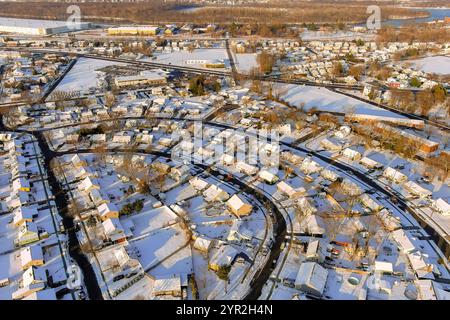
(403, 241)
(166, 285)
(32, 23)
(29, 254)
(369, 163)
(382, 266)
(416, 189)
(367, 201)
(312, 275)
(112, 225)
(106, 208)
(350, 187)
(442, 206)
(394, 175)
(224, 256)
(198, 183)
(24, 213)
(237, 205)
(268, 176)
(215, 193)
(202, 243)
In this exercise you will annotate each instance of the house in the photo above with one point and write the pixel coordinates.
(330, 145)
(417, 190)
(268, 176)
(403, 241)
(108, 211)
(113, 230)
(309, 166)
(87, 185)
(369, 163)
(198, 183)
(312, 252)
(33, 280)
(31, 257)
(287, 189)
(215, 193)
(238, 233)
(179, 173)
(122, 139)
(389, 222)
(20, 184)
(238, 207)
(442, 206)
(351, 154)
(383, 267)
(311, 278)
(23, 215)
(224, 256)
(28, 233)
(98, 197)
(202, 244)
(246, 168)
(329, 175)
(394, 175)
(167, 286)
(350, 188)
(369, 203)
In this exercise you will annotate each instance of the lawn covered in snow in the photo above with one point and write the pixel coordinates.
(245, 62)
(82, 76)
(437, 64)
(326, 100)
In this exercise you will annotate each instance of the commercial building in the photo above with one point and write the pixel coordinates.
(147, 77)
(37, 27)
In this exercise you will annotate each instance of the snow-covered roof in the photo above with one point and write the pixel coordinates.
(313, 276)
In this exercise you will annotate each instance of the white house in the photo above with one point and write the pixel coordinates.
(394, 175)
(442, 207)
(214, 193)
(417, 190)
(268, 176)
(351, 154)
(287, 189)
(311, 278)
(238, 207)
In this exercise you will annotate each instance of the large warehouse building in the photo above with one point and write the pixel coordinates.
(36, 27)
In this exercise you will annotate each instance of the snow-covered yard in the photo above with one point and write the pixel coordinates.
(82, 77)
(326, 100)
(436, 64)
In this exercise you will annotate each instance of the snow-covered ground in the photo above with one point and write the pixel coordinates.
(326, 100)
(82, 77)
(245, 62)
(437, 64)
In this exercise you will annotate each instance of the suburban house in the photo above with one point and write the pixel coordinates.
(238, 207)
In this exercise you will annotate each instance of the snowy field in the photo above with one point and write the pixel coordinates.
(82, 77)
(326, 100)
(437, 64)
(245, 62)
(178, 58)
